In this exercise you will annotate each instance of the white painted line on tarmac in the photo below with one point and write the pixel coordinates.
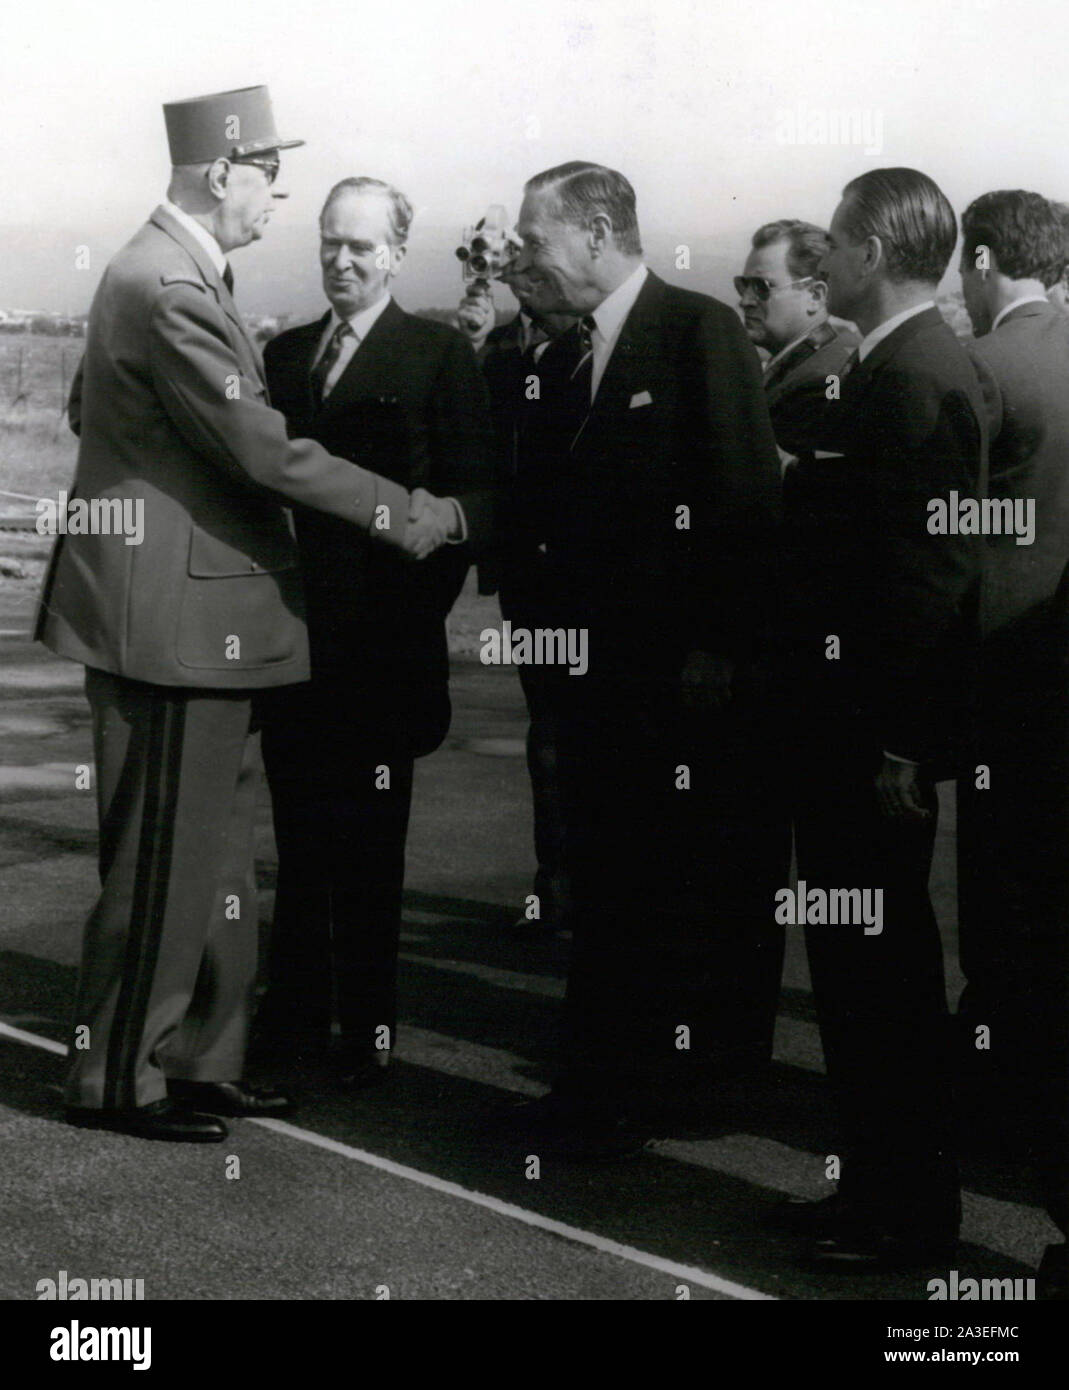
(32, 1039)
(686, 1274)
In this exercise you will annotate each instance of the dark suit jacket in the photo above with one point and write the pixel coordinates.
(411, 399)
(796, 387)
(679, 420)
(501, 359)
(1028, 357)
(503, 366)
(910, 425)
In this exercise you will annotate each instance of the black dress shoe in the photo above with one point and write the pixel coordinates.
(569, 1129)
(556, 924)
(860, 1249)
(161, 1119)
(362, 1073)
(231, 1097)
(806, 1216)
(1052, 1276)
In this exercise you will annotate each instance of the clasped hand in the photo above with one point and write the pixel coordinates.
(431, 522)
(901, 794)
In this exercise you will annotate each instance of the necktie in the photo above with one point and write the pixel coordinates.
(322, 368)
(570, 377)
(583, 371)
(228, 278)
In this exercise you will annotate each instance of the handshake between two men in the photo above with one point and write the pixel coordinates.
(432, 522)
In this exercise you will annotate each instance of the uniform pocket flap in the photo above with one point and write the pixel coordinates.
(245, 551)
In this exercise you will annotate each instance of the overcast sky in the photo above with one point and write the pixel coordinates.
(458, 103)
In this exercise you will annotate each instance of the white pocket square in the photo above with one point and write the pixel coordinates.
(641, 398)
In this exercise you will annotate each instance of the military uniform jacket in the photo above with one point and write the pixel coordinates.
(172, 409)
(796, 387)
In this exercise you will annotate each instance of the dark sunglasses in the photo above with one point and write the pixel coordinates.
(269, 166)
(761, 289)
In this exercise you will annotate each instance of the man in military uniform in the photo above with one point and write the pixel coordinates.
(179, 632)
(785, 311)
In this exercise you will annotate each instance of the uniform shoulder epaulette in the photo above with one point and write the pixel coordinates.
(182, 280)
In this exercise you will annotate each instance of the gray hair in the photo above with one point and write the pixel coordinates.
(584, 190)
(400, 209)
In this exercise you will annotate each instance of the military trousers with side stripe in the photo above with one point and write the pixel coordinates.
(169, 953)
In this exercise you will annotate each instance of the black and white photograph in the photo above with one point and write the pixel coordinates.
(534, 670)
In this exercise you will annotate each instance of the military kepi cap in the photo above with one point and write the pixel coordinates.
(225, 125)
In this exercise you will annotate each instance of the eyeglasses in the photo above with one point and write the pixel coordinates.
(269, 166)
(762, 288)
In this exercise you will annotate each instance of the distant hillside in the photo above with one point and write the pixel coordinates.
(280, 275)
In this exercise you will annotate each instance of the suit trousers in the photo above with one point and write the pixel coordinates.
(169, 952)
(677, 840)
(881, 997)
(542, 689)
(340, 831)
(1013, 876)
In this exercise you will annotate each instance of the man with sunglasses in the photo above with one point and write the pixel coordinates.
(180, 629)
(784, 307)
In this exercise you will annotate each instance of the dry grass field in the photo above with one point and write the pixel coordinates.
(37, 449)
(38, 453)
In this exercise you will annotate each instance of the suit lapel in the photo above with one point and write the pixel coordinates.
(625, 366)
(884, 350)
(372, 361)
(304, 345)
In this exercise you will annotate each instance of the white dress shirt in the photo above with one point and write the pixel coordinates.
(609, 319)
(885, 329)
(1024, 299)
(361, 324)
(199, 234)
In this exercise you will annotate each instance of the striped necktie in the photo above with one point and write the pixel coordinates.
(326, 363)
(583, 371)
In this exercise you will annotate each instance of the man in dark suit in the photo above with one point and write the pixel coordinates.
(180, 627)
(508, 353)
(785, 310)
(1013, 845)
(404, 396)
(652, 485)
(1058, 293)
(883, 607)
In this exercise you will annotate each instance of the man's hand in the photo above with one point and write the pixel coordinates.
(707, 681)
(475, 319)
(899, 791)
(431, 522)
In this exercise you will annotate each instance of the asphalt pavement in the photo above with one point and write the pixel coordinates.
(408, 1191)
